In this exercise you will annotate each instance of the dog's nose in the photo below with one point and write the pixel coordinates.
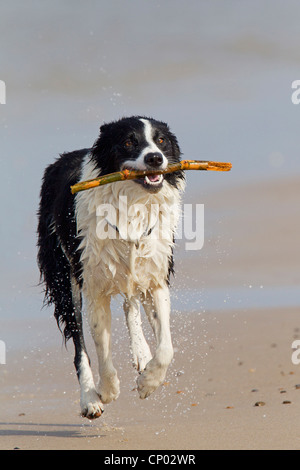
(154, 159)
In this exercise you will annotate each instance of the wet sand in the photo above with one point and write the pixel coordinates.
(224, 364)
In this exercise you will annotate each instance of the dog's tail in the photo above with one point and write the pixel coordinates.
(55, 269)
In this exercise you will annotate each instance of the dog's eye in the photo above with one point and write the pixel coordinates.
(160, 140)
(128, 144)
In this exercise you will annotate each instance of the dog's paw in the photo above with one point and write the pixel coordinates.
(141, 353)
(91, 405)
(141, 360)
(149, 381)
(109, 389)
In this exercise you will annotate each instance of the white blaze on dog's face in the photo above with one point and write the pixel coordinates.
(151, 156)
(143, 161)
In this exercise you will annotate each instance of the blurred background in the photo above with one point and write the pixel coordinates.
(219, 73)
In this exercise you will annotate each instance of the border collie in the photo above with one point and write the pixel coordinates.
(76, 263)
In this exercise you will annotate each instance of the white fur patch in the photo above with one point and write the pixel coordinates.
(137, 263)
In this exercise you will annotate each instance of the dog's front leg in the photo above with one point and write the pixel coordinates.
(140, 350)
(100, 323)
(157, 307)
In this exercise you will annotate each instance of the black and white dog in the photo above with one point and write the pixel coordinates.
(91, 245)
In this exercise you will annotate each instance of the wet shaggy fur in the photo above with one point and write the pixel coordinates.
(77, 262)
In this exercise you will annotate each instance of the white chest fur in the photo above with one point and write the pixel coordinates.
(126, 247)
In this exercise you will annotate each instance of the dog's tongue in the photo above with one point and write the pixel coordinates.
(153, 178)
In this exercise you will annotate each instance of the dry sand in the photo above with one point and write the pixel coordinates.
(225, 361)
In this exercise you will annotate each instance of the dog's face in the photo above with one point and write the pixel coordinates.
(138, 143)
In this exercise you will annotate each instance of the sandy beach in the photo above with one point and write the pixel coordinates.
(226, 361)
(224, 364)
(222, 77)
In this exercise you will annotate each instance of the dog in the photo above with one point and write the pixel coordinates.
(91, 248)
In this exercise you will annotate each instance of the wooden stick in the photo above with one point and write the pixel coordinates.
(134, 174)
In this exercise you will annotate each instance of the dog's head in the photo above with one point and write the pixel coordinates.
(138, 143)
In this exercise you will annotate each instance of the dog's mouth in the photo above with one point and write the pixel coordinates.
(152, 183)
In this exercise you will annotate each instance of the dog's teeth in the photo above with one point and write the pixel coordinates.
(147, 180)
(154, 182)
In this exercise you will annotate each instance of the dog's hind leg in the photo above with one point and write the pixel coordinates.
(157, 308)
(91, 405)
(99, 316)
(63, 290)
(140, 350)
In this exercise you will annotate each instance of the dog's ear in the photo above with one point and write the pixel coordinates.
(176, 152)
(103, 150)
(175, 146)
(104, 128)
